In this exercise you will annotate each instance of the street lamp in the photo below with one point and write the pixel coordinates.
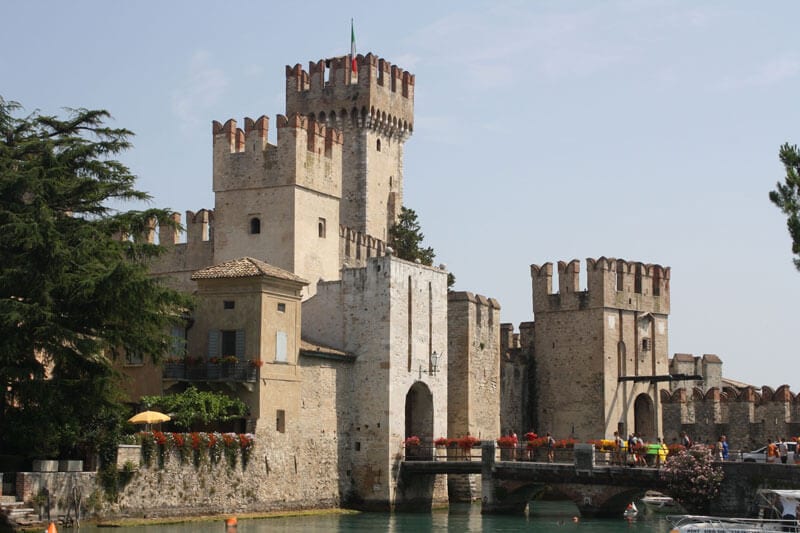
(434, 365)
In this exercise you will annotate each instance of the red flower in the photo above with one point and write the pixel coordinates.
(160, 438)
(412, 441)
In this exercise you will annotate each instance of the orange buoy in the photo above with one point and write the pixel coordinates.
(52, 528)
(230, 523)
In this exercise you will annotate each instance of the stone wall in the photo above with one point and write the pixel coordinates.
(62, 486)
(746, 416)
(473, 365)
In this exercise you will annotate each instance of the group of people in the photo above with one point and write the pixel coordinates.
(779, 451)
(635, 451)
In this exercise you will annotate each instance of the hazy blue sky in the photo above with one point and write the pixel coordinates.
(544, 131)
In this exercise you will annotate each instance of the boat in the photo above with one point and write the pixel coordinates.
(777, 511)
(657, 502)
(716, 524)
(630, 511)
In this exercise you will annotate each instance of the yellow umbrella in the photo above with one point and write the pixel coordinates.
(148, 417)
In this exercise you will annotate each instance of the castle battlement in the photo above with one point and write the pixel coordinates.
(379, 96)
(747, 415)
(614, 283)
(356, 247)
(307, 153)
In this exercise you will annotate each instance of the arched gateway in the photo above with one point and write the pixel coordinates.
(419, 413)
(644, 417)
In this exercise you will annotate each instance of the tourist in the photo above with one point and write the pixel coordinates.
(530, 438)
(663, 452)
(725, 448)
(618, 448)
(685, 440)
(783, 450)
(718, 449)
(551, 448)
(772, 452)
(796, 452)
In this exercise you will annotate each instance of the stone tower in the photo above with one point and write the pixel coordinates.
(374, 109)
(597, 350)
(278, 203)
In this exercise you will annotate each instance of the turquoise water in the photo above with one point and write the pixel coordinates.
(545, 516)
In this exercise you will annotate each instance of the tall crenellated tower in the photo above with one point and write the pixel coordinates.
(374, 108)
(279, 203)
(596, 350)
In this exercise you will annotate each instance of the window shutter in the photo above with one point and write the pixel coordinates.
(280, 347)
(213, 343)
(240, 344)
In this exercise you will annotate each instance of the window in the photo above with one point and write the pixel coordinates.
(280, 421)
(645, 344)
(281, 308)
(321, 228)
(177, 345)
(134, 359)
(378, 145)
(255, 225)
(228, 304)
(226, 342)
(280, 347)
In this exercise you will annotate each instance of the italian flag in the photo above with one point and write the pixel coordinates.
(353, 64)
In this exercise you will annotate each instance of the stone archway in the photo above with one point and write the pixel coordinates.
(419, 415)
(644, 417)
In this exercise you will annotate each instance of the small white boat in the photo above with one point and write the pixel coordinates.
(630, 511)
(656, 502)
(716, 524)
(777, 511)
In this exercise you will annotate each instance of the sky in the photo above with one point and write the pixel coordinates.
(544, 131)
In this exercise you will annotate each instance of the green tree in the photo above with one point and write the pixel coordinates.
(787, 196)
(405, 238)
(73, 295)
(193, 407)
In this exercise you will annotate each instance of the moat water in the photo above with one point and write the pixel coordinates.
(544, 516)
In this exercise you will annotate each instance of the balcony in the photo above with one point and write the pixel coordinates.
(242, 371)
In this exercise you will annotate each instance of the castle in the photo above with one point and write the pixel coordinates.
(342, 350)
(291, 271)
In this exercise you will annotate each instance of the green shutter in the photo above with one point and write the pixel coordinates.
(213, 343)
(240, 344)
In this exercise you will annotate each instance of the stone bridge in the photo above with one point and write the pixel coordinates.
(597, 490)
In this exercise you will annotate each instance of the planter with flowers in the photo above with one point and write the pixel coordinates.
(508, 445)
(228, 366)
(441, 446)
(412, 446)
(466, 444)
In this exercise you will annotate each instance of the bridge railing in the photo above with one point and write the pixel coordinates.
(429, 452)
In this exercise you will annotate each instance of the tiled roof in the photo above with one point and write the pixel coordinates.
(245, 267)
(311, 348)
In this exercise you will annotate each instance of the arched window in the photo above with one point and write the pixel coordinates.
(255, 225)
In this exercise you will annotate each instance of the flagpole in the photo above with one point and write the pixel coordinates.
(353, 62)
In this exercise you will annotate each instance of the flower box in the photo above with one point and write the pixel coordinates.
(70, 465)
(45, 465)
(128, 453)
